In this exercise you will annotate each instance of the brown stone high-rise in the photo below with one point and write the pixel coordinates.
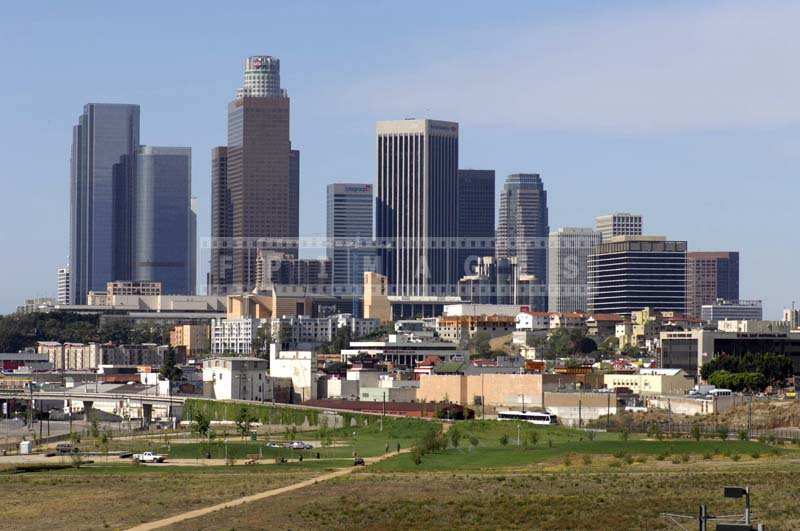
(256, 188)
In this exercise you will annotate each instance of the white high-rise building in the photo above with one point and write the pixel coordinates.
(63, 285)
(567, 277)
(619, 224)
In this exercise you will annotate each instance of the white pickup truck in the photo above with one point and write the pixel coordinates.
(149, 457)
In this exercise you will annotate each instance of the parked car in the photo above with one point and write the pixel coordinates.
(300, 445)
(273, 444)
(149, 457)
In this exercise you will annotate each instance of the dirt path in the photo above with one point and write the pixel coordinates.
(157, 524)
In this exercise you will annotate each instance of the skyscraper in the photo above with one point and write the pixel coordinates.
(619, 224)
(475, 217)
(523, 229)
(349, 231)
(255, 179)
(220, 276)
(567, 268)
(193, 247)
(630, 273)
(162, 218)
(104, 143)
(711, 276)
(417, 205)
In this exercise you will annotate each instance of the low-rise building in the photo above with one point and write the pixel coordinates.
(403, 350)
(299, 366)
(461, 328)
(753, 326)
(532, 320)
(722, 309)
(234, 336)
(237, 378)
(194, 339)
(651, 381)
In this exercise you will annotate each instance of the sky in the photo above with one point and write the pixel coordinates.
(685, 112)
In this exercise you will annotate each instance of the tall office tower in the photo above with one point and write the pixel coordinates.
(523, 229)
(475, 218)
(260, 175)
(710, 276)
(193, 205)
(104, 144)
(417, 205)
(63, 285)
(162, 218)
(220, 275)
(619, 224)
(630, 273)
(349, 230)
(567, 268)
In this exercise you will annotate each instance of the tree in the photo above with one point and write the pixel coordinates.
(504, 439)
(585, 345)
(169, 369)
(260, 346)
(608, 346)
(479, 344)
(533, 437)
(455, 436)
(243, 420)
(560, 343)
(201, 424)
(723, 431)
(696, 434)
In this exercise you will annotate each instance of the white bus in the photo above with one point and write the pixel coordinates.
(534, 417)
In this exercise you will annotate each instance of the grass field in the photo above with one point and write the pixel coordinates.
(555, 478)
(124, 495)
(571, 499)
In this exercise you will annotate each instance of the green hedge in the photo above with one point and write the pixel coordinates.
(223, 410)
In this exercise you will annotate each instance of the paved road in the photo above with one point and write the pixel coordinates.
(255, 497)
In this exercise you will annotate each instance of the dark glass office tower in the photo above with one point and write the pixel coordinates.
(104, 144)
(475, 217)
(162, 218)
(630, 273)
(220, 276)
(711, 276)
(523, 230)
(417, 206)
(261, 176)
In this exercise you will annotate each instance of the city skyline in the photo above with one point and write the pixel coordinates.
(763, 261)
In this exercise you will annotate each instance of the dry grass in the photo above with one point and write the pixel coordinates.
(117, 498)
(628, 498)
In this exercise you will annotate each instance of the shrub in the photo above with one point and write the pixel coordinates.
(696, 434)
(416, 455)
(625, 433)
(743, 435)
(473, 441)
(455, 436)
(707, 456)
(628, 459)
(504, 440)
(549, 442)
(619, 454)
(755, 454)
(685, 457)
(723, 431)
(736, 457)
(567, 459)
(661, 456)
(533, 437)
(587, 459)
(641, 459)
(591, 435)
(676, 460)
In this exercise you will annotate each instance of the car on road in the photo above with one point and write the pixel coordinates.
(300, 445)
(149, 457)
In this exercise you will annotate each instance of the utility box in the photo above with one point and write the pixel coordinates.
(25, 447)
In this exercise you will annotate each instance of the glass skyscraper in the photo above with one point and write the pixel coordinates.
(104, 143)
(349, 232)
(163, 219)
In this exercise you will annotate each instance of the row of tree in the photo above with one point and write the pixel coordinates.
(749, 371)
(18, 331)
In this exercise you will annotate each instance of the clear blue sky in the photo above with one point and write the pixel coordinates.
(687, 112)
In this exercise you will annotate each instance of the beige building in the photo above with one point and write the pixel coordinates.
(194, 338)
(458, 329)
(376, 297)
(652, 382)
(133, 287)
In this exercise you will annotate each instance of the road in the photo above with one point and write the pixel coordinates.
(157, 524)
